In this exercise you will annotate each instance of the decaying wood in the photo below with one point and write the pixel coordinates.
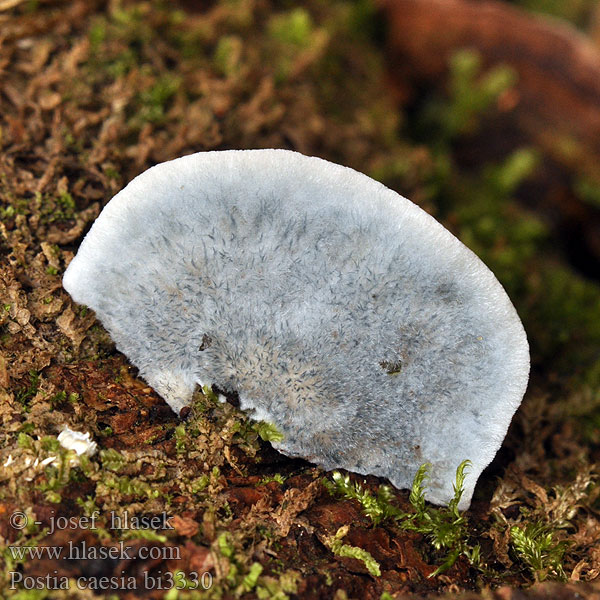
(555, 105)
(554, 62)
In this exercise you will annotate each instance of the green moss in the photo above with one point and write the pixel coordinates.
(58, 398)
(66, 206)
(278, 588)
(445, 528)
(278, 478)
(227, 55)
(562, 315)
(268, 431)
(504, 179)
(97, 34)
(144, 60)
(115, 42)
(472, 94)
(57, 208)
(53, 497)
(50, 444)
(588, 190)
(340, 549)
(7, 212)
(558, 307)
(378, 508)
(200, 484)
(292, 35)
(112, 460)
(144, 534)
(60, 473)
(251, 578)
(88, 505)
(243, 576)
(180, 437)
(534, 544)
(363, 22)
(25, 441)
(15, 555)
(129, 486)
(13, 207)
(108, 431)
(293, 28)
(25, 394)
(154, 101)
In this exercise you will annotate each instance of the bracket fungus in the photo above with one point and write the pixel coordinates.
(339, 311)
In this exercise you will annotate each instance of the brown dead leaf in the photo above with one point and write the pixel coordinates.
(534, 488)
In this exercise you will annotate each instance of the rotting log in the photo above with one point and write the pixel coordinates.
(555, 104)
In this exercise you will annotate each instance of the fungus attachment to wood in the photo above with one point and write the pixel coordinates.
(338, 310)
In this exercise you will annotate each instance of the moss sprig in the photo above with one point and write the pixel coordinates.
(535, 545)
(446, 528)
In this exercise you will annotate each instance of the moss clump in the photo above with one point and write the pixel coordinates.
(445, 528)
(377, 507)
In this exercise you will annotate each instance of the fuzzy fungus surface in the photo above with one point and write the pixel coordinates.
(339, 311)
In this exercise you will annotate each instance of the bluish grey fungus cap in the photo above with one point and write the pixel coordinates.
(340, 311)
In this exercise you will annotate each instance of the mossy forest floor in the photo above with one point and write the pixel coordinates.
(91, 94)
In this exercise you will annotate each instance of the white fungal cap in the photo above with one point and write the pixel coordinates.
(75, 440)
(338, 310)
